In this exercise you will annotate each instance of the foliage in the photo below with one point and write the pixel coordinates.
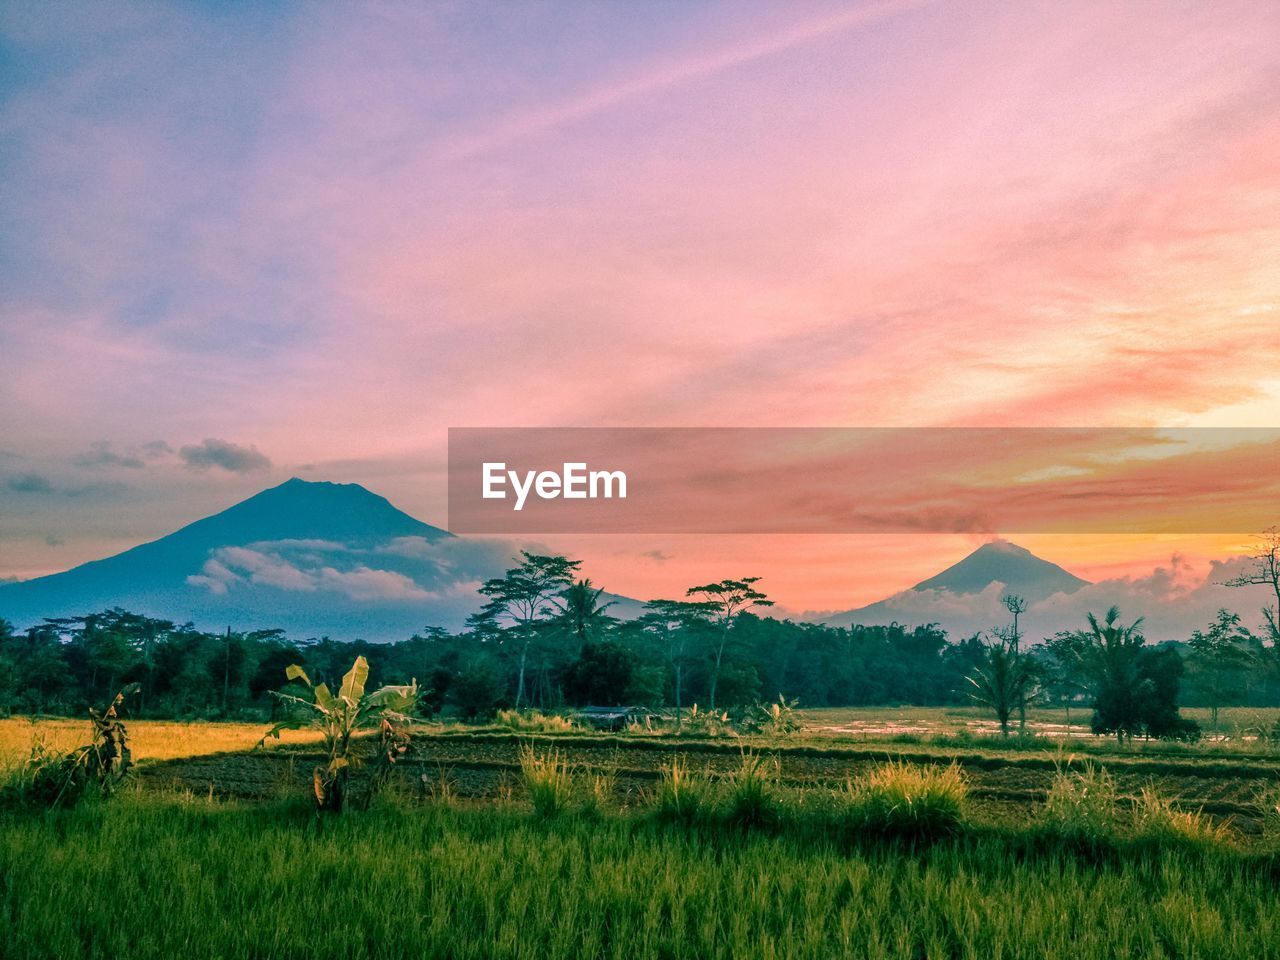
(535, 721)
(1082, 805)
(1135, 688)
(337, 719)
(752, 794)
(1220, 656)
(1004, 682)
(521, 598)
(682, 796)
(580, 611)
(774, 720)
(53, 778)
(1157, 820)
(726, 601)
(905, 799)
(469, 882)
(548, 779)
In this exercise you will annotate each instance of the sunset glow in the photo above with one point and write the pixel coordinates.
(307, 240)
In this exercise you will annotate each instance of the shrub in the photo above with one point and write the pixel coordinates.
(1157, 820)
(548, 780)
(600, 790)
(1269, 807)
(773, 719)
(535, 721)
(752, 794)
(908, 799)
(52, 778)
(682, 796)
(1083, 805)
(338, 718)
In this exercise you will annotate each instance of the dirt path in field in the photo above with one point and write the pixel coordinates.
(485, 765)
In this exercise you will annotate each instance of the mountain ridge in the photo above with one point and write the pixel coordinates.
(998, 561)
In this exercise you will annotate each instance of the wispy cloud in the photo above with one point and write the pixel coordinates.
(231, 457)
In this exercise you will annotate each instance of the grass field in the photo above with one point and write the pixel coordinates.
(1239, 728)
(481, 850)
(158, 878)
(149, 739)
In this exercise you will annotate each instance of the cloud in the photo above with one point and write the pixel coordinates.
(403, 569)
(155, 449)
(1172, 600)
(228, 456)
(53, 541)
(365, 583)
(101, 454)
(29, 483)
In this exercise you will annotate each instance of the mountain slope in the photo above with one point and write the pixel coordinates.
(1000, 561)
(262, 562)
(313, 558)
(966, 595)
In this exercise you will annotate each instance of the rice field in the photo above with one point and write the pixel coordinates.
(1238, 727)
(147, 877)
(498, 842)
(149, 739)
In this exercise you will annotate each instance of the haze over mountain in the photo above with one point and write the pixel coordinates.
(987, 574)
(335, 559)
(312, 557)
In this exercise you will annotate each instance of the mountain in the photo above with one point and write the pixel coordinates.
(1000, 561)
(966, 595)
(313, 558)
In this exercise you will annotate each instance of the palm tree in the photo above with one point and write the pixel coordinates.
(1112, 658)
(1004, 682)
(582, 612)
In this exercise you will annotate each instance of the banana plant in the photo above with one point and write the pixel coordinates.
(337, 718)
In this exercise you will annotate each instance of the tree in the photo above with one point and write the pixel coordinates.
(1017, 606)
(1005, 681)
(338, 718)
(522, 597)
(1111, 656)
(1069, 675)
(1159, 670)
(581, 611)
(1135, 688)
(479, 688)
(673, 622)
(601, 675)
(1265, 572)
(1219, 656)
(725, 601)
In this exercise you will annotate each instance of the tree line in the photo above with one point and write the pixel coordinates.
(544, 637)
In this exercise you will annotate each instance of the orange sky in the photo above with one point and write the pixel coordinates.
(329, 234)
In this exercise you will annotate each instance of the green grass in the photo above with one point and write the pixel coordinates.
(145, 877)
(548, 780)
(908, 800)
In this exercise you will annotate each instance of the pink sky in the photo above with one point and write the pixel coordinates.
(330, 233)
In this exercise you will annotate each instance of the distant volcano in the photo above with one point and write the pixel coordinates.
(313, 558)
(1015, 569)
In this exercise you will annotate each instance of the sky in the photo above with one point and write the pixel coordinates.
(248, 242)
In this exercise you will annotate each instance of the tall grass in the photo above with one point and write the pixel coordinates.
(1157, 820)
(535, 721)
(907, 799)
(682, 796)
(752, 798)
(1269, 810)
(1083, 805)
(548, 779)
(149, 879)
